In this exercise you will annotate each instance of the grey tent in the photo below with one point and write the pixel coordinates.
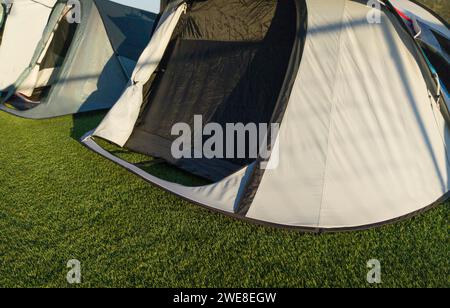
(83, 65)
(363, 127)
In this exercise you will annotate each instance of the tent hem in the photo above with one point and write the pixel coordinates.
(89, 143)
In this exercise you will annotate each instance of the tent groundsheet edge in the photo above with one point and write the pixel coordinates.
(88, 141)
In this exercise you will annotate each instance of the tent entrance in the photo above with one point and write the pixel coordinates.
(46, 72)
(228, 66)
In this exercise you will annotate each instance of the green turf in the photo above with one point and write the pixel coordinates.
(61, 201)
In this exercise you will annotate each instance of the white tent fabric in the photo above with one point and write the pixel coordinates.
(23, 31)
(362, 141)
(119, 123)
(359, 143)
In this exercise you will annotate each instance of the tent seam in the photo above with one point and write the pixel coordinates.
(116, 54)
(332, 111)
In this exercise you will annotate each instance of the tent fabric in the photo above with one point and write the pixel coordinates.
(21, 35)
(90, 73)
(223, 196)
(362, 142)
(233, 76)
(27, 79)
(60, 44)
(52, 55)
(366, 155)
(119, 122)
(414, 9)
(121, 23)
(433, 34)
(437, 49)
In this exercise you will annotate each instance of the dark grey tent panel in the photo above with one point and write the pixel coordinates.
(440, 61)
(228, 65)
(127, 27)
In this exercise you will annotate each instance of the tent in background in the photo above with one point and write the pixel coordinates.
(363, 138)
(80, 67)
(23, 26)
(433, 34)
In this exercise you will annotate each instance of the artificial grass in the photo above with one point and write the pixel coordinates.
(60, 201)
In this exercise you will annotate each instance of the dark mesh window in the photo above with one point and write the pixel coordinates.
(60, 44)
(56, 54)
(54, 58)
(227, 61)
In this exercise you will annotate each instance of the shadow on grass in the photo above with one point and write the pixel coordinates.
(85, 122)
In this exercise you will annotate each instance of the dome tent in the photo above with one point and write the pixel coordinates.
(79, 67)
(22, 26)
(363, 132)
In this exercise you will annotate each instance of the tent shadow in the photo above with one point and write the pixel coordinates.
(85, 122)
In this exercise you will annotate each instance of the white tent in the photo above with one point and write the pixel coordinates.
(23, 29)
(363, 137)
